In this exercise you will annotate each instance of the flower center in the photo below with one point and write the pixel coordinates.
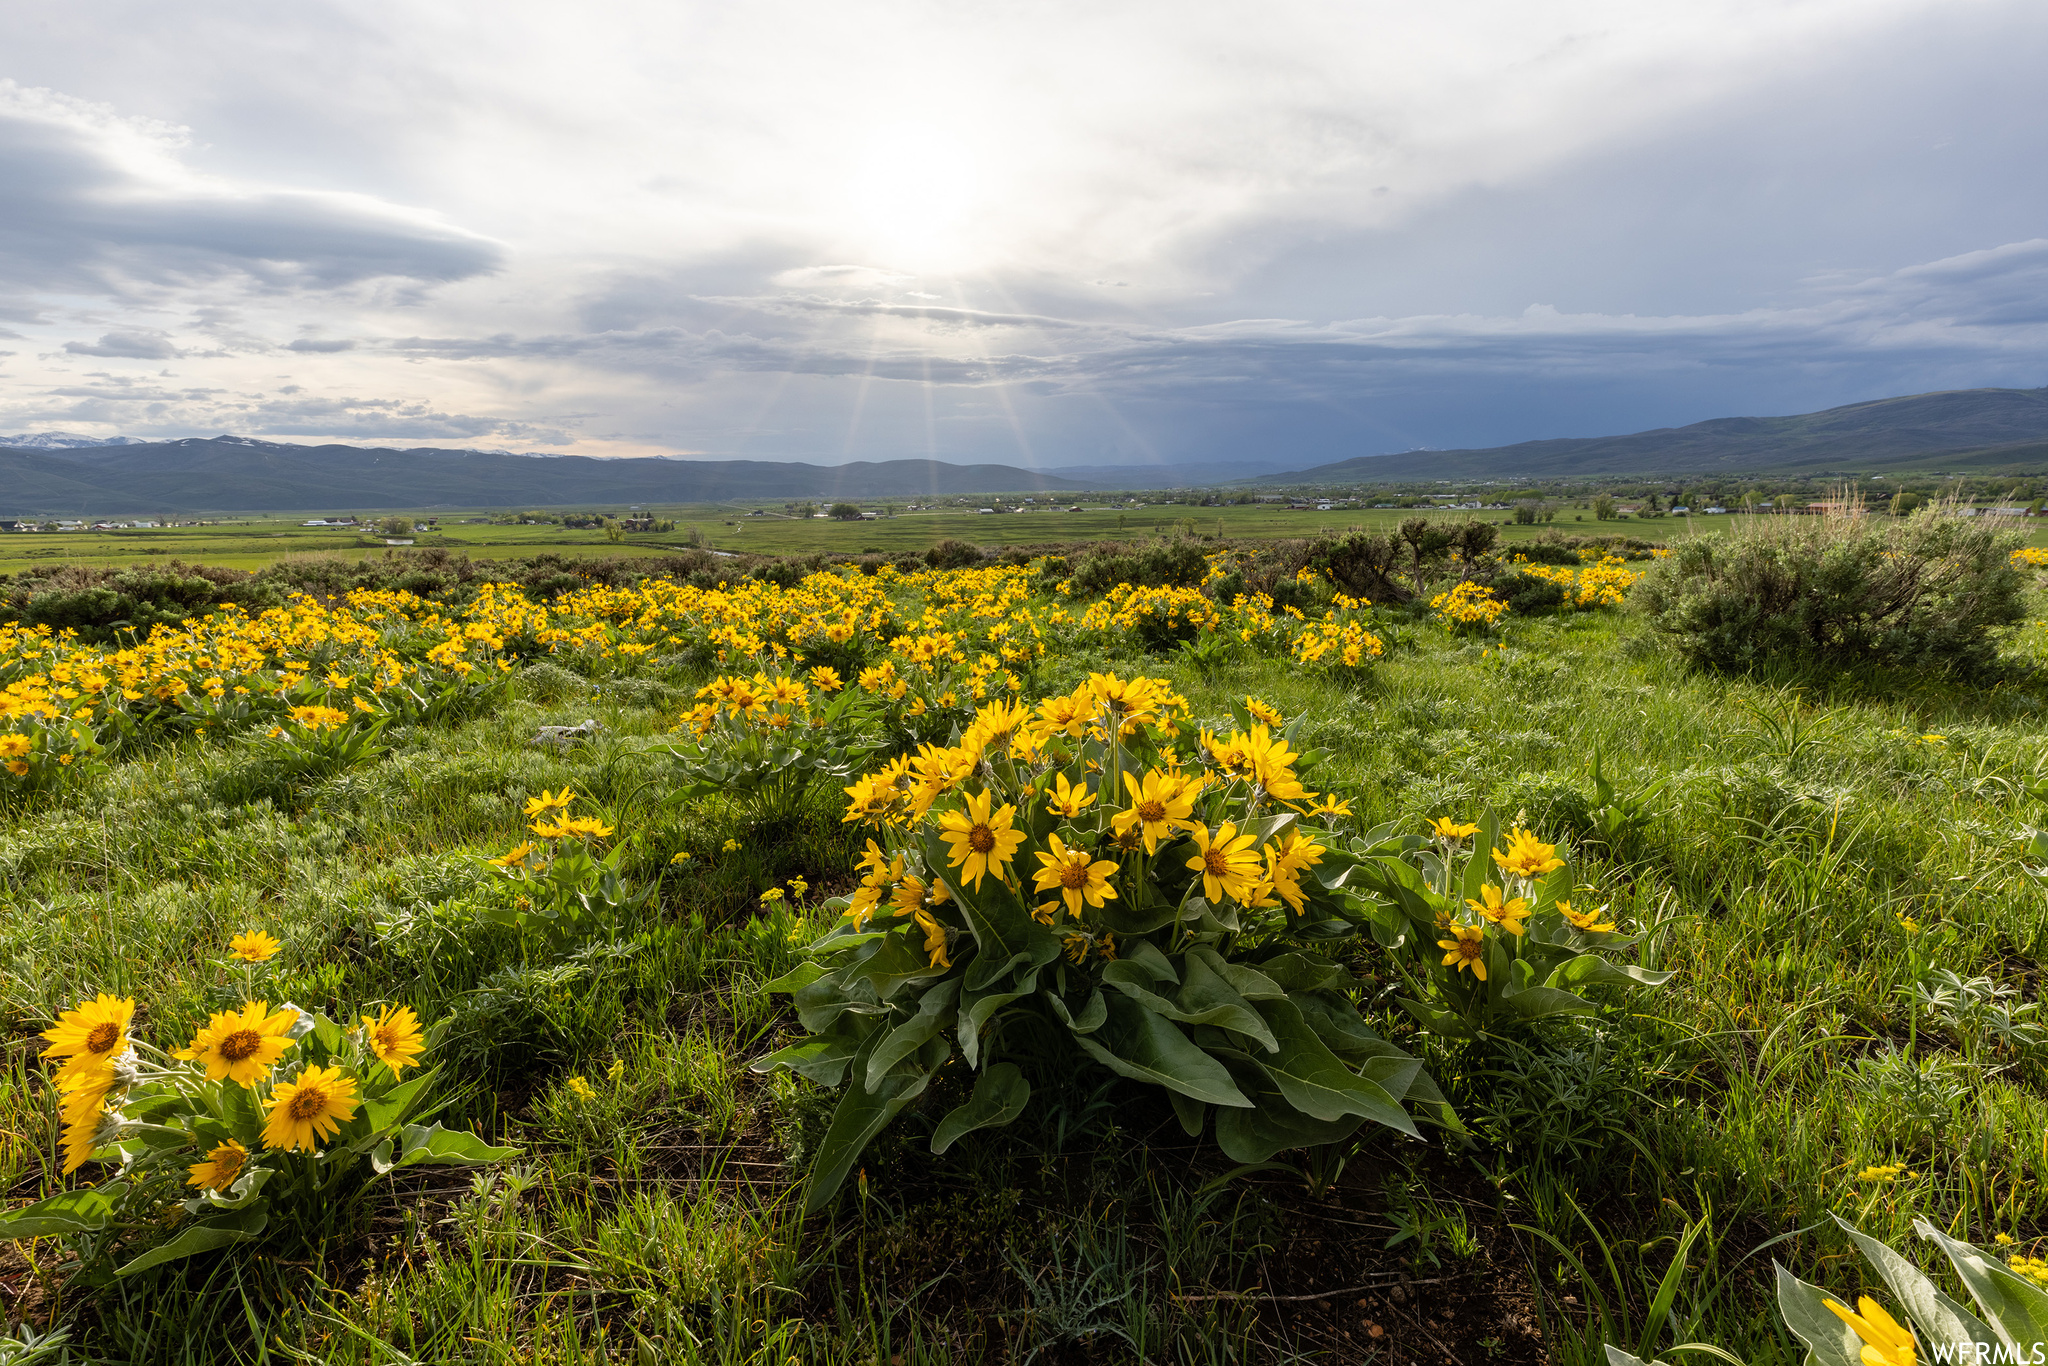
(103, 1037)
(386, 1039)
(227, 1165)
(1469, 948)
(307, 1102)
(981, 839)
(241, 1044)
(1151, 812)
(1074, 875)
(1213, 862)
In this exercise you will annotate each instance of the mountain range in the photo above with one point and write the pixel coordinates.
(1959, 431)
(241, 474)
(1990, 432)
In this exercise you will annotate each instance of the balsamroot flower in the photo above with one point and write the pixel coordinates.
(1465, 950)
(310, 1109)
(395, 1037)
(241, 1045)
(1527, 856)
(221, 1169)
(1886, 1342)
(982, 841)
(1069, 871)
(254, 946)
(90, 1037)
(1227, 862)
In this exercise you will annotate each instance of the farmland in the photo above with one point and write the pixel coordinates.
(615, 1179)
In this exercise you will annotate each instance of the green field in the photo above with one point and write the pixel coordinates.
(253, 542)
(1805, 860)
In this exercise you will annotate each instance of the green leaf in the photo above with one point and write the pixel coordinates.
(387, 1109)
(1144, 954)
(858, 1117)
(1271, 1125)
(1590, 969)
(999, 1097)
(1139, 1044)
(434, 1146)
(1317, 1083)
(978, 1007)
(2016, 1311)
(1535, 1003)
(822, 1058)
(1189, 1111)
(1247, 982)
(1293, 972)
(1830, 1341)
(67, 1212)
(1444, 1022)
(798, 977)
(1205, 1000)
(1939, 1318)
(197, 1238)
(1091, 1017)
(935, 1010)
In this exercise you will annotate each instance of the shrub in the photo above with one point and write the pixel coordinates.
(1924, 592)
(952, 555)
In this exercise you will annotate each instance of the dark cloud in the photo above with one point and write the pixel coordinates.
(320, 347)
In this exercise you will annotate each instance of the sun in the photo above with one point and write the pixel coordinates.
(913, 195)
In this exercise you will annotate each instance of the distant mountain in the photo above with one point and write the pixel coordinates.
(1198, 475)
(241, 474)
(1976, 431)
(61, 441)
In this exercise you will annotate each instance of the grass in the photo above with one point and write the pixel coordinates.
(251, 542)
(656, 1218)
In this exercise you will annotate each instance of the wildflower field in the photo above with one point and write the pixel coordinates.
(1204, 954)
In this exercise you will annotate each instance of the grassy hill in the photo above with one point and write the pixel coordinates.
(1978, 431)
(234, 474)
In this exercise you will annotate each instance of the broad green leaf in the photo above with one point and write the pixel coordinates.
(1146, 955)
(798, 977)
(197, 1238)
(1206, 1000)
(387, 1109)
(977, 1008)
(1189, 1111)
(67, 1212)
(1829, 1341)
(999, 1097)
(2016, 1310)
(822, 1057)
(1939, 1318)
(1091, 1017)
(1247, 982)
(1444, 1022)
(1270, 1125)
(1479, 868)
(1537, 1002)
(1317, 1083)
(935, 1011)
(1293, 972)
(1591, 969)
(859, 1116)
(1338, 1024)
(897, 961)
(1139, 1044)
(434, 1146)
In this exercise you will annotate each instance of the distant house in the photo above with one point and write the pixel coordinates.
(1713, 511)
(394, 540)
(1991, 512)
(985, 511)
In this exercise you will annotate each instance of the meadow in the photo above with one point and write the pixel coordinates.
(1800, 978)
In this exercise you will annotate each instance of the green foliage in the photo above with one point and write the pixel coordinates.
(1926, 592)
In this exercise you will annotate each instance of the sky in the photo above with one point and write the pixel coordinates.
(1042, 234)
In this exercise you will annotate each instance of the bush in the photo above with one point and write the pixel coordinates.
(952, 555)
(102, 604)
(1925, 592)
(1526, 595)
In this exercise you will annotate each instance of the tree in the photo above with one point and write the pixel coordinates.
(613, 531)
(395, 526)
(846, 512)
(1603, 508)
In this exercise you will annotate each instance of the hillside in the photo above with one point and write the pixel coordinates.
(236, 474)
(1983, 431)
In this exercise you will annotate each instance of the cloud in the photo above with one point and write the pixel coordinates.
(129, 346)
(101, 203)
(317, 347)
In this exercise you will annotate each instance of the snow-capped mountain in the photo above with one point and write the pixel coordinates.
(65, 441)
